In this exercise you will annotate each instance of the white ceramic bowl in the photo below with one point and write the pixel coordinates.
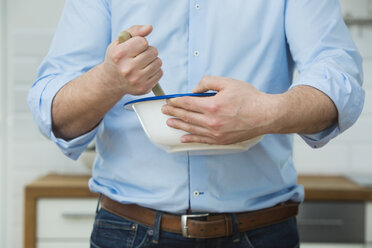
(154, 124)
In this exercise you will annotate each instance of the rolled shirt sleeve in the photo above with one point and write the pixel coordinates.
(327, 59)
(75, 49)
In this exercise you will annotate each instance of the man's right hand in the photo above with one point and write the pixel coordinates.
(132, 67)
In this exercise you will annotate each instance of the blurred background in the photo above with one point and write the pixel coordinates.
(26, 30)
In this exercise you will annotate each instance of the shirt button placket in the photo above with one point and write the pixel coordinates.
(198, 194)
(196, 42)
(197, 7)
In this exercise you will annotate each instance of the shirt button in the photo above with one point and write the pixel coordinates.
(197, 6)
(196, 193)
(196, 53)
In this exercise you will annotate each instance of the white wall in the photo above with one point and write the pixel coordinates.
(2, 125)
(30, 25)
(351, 152)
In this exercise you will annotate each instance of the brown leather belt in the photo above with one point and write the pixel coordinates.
(215, 225)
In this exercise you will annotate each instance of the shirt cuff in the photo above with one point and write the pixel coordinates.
(75, 147)
(321, 138)
(344, 91)
(71, 148)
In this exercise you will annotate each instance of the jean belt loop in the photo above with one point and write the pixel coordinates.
(156, 231)
(235, 228)
(98, 203)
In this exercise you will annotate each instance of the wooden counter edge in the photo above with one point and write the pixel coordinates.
(337, 195)
(333, 188)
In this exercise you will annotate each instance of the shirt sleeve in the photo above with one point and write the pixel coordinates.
(326, 59)
(80, 43)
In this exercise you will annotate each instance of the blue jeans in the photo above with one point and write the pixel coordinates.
(112, 231)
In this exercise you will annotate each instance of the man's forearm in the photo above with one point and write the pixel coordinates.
(239, 112)
(305, 110)
(80, 105)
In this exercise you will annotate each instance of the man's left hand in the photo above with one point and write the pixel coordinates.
(236, 113)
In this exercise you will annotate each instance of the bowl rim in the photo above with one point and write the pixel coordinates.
(128, 105)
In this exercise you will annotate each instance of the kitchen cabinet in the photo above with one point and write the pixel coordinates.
(337, 222)
(59, 209)
(59, 212)
(336, 213)
(369, 224)
(71, 221)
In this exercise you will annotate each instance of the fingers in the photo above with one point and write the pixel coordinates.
(190, 138)
(155, 79)
(135, 63)
(210, 83)
(148, 56)
(181, 125)
(194, 123)
(205, 104)
(135, 45)
(185, 115)
(140, 30)
(202, 128)
(152, 68)
(132, 47)
(197, 134)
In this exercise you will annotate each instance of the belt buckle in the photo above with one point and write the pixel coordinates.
(184, 218)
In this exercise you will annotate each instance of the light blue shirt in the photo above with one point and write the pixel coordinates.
(256, 41)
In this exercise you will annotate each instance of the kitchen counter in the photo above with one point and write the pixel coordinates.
(333, 188)
(317, 188)
(54, 185)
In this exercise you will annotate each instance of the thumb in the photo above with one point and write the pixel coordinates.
(140, 30)
(209, 83)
